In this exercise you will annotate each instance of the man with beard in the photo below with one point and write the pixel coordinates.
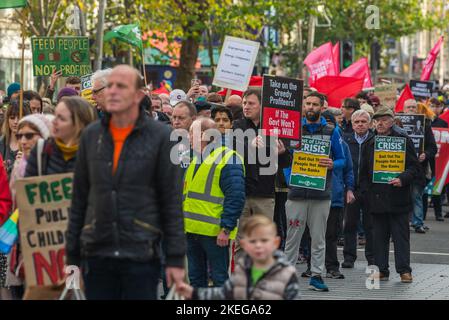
(311, 207)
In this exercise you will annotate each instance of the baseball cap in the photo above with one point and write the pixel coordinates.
(176, 96)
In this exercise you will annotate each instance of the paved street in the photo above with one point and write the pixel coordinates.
(430, 264)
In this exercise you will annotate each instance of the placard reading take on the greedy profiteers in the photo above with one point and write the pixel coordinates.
(68, 54)
(236, 63)
(389, 158)
(306, 171)
(281, 107)
(44, 204)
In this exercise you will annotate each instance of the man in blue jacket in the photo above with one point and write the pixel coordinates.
(342, 191)
(311, 207)
(214, 196)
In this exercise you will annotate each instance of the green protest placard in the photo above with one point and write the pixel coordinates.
(306, 171)
(389, 158)
(68, 54)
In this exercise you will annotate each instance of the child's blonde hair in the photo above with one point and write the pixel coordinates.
(256, 221)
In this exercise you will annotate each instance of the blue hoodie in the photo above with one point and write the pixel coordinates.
(342, 180)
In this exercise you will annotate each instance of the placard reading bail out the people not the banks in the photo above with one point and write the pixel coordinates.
(306, 171)
(281, 107)
(389, 158)
(68, 54)
(44, 204)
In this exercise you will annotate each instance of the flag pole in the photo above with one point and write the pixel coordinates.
(22, 62)
(143, 67)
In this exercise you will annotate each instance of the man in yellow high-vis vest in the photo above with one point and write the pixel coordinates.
(214, 196)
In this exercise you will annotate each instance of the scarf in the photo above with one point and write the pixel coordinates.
(67, 152)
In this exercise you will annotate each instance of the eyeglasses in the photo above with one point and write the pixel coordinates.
(28, 135)
(98, 90)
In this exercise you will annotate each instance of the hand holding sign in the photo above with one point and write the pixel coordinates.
(54, 78)
(396, 182)
(326, 162)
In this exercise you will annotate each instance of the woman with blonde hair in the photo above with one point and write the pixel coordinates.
(72, 115)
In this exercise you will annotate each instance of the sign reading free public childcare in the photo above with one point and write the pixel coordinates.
(306, 171)
(281, 107)
(44, 204)
(389, 158)
(68, 54)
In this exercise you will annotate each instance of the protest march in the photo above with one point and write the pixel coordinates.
(273, 152)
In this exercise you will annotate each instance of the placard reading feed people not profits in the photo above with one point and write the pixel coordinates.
(236, 63)
(68, 54)
(306, 171)
(389, 158)
(281, 107)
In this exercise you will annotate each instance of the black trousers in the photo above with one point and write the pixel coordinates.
(351, 220)
(436, 200)
(280, 218)
(395, 225)
(332, 231)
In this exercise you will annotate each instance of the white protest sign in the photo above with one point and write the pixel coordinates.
(236, 63)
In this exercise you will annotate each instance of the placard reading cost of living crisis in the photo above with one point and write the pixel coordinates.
(236, 63)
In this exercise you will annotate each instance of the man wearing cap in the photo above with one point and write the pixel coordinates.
(348, 108)
(203, 108)
(176, 96)
(389, 203)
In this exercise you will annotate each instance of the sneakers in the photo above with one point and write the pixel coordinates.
(406, 278)
(317, 284)
(334, 274)
(426, 227)
(439, 219)
(347, 264)
(420, 230)
(306, 274)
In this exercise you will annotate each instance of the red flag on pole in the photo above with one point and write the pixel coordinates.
(430, 60)
(336, 56)
(337, 88)
(405, 95)
(359, 70)
(320, 63)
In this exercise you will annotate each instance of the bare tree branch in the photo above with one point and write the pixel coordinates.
(41, 16)
(53, 19)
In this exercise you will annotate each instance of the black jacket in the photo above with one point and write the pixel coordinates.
(384, 198)
(125, 215)
(439, 123)
(52, 161)
(258, 185)
(356, 154)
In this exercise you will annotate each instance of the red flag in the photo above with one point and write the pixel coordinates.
(430, 60)
(254, 81)
(336, 56)
(359, 70)
(405, 95)
(445, 116)
(320, 63)
(441, 159)
(337, 88)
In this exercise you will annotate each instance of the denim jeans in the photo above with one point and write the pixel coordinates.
(203, 252)
(418, 211)
(120, 279)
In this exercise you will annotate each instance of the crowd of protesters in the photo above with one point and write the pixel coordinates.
(137, 216)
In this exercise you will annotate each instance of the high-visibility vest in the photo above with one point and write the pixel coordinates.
(203, 197)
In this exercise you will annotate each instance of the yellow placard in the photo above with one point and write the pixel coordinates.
(389, 161)
(307, 164)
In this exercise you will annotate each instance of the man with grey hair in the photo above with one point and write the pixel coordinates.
(360, 121)
(99, 83)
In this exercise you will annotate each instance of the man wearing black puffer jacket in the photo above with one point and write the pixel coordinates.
(126, 196)
(389, 203)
